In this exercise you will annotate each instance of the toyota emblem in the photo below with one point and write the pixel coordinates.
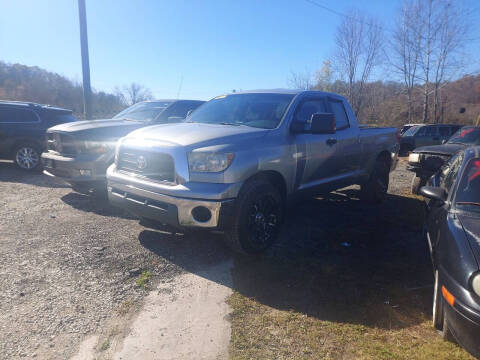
(141, 162)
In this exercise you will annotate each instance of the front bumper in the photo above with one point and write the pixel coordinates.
(464, 316)
(68, 168)
(172, 205)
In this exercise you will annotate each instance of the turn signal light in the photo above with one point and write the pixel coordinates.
(448, 297)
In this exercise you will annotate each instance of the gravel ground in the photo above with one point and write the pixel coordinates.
(70, 262)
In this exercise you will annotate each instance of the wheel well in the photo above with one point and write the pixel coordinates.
(24, 141)
(385, 156)
(274, 178)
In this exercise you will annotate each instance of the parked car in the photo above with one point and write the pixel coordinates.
(453, 235)
(425, 161)
(426, 135)
(22, 130)
(406, 127)
(80, 153)
(237, 160)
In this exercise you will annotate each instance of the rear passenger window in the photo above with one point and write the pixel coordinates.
(444, 131)
(308, 108)
(431, 131)
(17, 116)
(340, 115)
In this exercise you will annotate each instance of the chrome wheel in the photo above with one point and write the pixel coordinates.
(27, 157)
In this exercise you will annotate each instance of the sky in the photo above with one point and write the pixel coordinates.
(188, 48)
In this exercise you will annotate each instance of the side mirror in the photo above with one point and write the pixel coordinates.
(188, 113)
(174, 119)
(444, 141)
(434, 193)
(323, 123)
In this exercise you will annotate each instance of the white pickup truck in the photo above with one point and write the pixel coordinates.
(240, 157)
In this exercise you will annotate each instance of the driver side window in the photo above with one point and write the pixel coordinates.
(306, 109)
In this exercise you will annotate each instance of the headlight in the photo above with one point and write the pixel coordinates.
(476, 284)
(208, 161)
(97, 147)
(414, 158)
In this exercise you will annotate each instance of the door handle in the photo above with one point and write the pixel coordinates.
(331, 141)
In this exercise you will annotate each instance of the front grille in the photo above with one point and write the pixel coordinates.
(151, 165)
(61, 143)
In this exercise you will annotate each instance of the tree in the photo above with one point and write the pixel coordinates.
(133, 93)
(324, 76)
(301, 81)
(358, 44)
(405, 47)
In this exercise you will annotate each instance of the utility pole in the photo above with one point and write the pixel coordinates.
(87, 91)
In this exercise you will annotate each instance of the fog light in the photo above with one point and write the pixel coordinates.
(201, 214)
(85, 172)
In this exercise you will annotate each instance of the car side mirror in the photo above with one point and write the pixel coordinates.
(444, 141)
(323, 123)
(434, 193)
(189, 112)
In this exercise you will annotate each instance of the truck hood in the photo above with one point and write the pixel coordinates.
(105, 128)
(445, 149)
(471, 225)
(199, 134)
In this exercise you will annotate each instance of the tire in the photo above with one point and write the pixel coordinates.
(256, 218)
(417, 183)
(27, 157)
(437, 318)
(376, 187)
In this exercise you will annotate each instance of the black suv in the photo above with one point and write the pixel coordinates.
(22, 130)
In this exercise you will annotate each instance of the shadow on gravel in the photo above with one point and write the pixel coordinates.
(94, 204)
(9, 172)
(337, 259)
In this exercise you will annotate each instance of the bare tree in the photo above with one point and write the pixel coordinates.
(405, 47)
(133, 93)
(324, 77)
(302, 81)
(358, 51)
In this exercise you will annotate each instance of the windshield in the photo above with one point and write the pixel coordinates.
(411, 131)
(469, 135)
(143, 111)
(255, 110)
(468, 193)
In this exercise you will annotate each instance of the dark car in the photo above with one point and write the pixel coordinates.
(425, 135)
(22, 130)
(405, 127)
(453, 235)
(425, 161)
(80, 153)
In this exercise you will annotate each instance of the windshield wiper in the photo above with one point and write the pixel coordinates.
(456, 142)
(468, 203)
(229, 123)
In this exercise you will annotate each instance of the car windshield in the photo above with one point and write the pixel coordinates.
(143, 111)
(468, 135)
(411, 131)
(255, 110)
(468, 193)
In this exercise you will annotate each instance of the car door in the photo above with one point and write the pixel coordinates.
(315, 162)
(17, 123)
(347, 153)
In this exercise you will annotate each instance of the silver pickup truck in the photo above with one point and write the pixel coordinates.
(240, 157)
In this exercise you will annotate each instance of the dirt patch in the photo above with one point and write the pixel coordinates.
(69, 264)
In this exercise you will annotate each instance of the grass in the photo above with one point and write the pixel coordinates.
(105, 345)
(313, 298)
(143, 279)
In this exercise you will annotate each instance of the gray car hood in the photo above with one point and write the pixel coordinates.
(445, 149)
(186, 134)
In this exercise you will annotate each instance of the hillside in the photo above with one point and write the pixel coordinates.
(31, 83)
